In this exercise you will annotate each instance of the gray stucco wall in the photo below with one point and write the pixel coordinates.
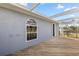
(12, 31)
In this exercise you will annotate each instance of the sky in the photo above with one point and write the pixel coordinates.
(49, 9)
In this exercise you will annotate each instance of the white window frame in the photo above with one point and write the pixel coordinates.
(26, 30)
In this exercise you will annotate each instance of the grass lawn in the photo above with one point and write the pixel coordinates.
(72, 35)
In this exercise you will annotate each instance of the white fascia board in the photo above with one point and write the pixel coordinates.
(69, 18)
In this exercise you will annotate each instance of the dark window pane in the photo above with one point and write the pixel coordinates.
(31, 28)
(28, 36)
(31, 36)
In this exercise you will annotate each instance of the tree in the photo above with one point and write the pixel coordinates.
(66, 30)
(73, 29)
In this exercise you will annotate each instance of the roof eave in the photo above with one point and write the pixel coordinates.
(21, 9)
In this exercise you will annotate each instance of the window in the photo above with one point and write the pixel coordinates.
(31, 29)
(53, 29)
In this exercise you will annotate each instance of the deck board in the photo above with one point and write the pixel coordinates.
(53, 47)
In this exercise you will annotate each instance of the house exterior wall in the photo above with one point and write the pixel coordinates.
(13, 32)
(57, 30)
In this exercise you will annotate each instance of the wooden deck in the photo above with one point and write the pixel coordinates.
(53, 47)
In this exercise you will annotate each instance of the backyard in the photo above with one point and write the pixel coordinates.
(72, 35)
(71, 32)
